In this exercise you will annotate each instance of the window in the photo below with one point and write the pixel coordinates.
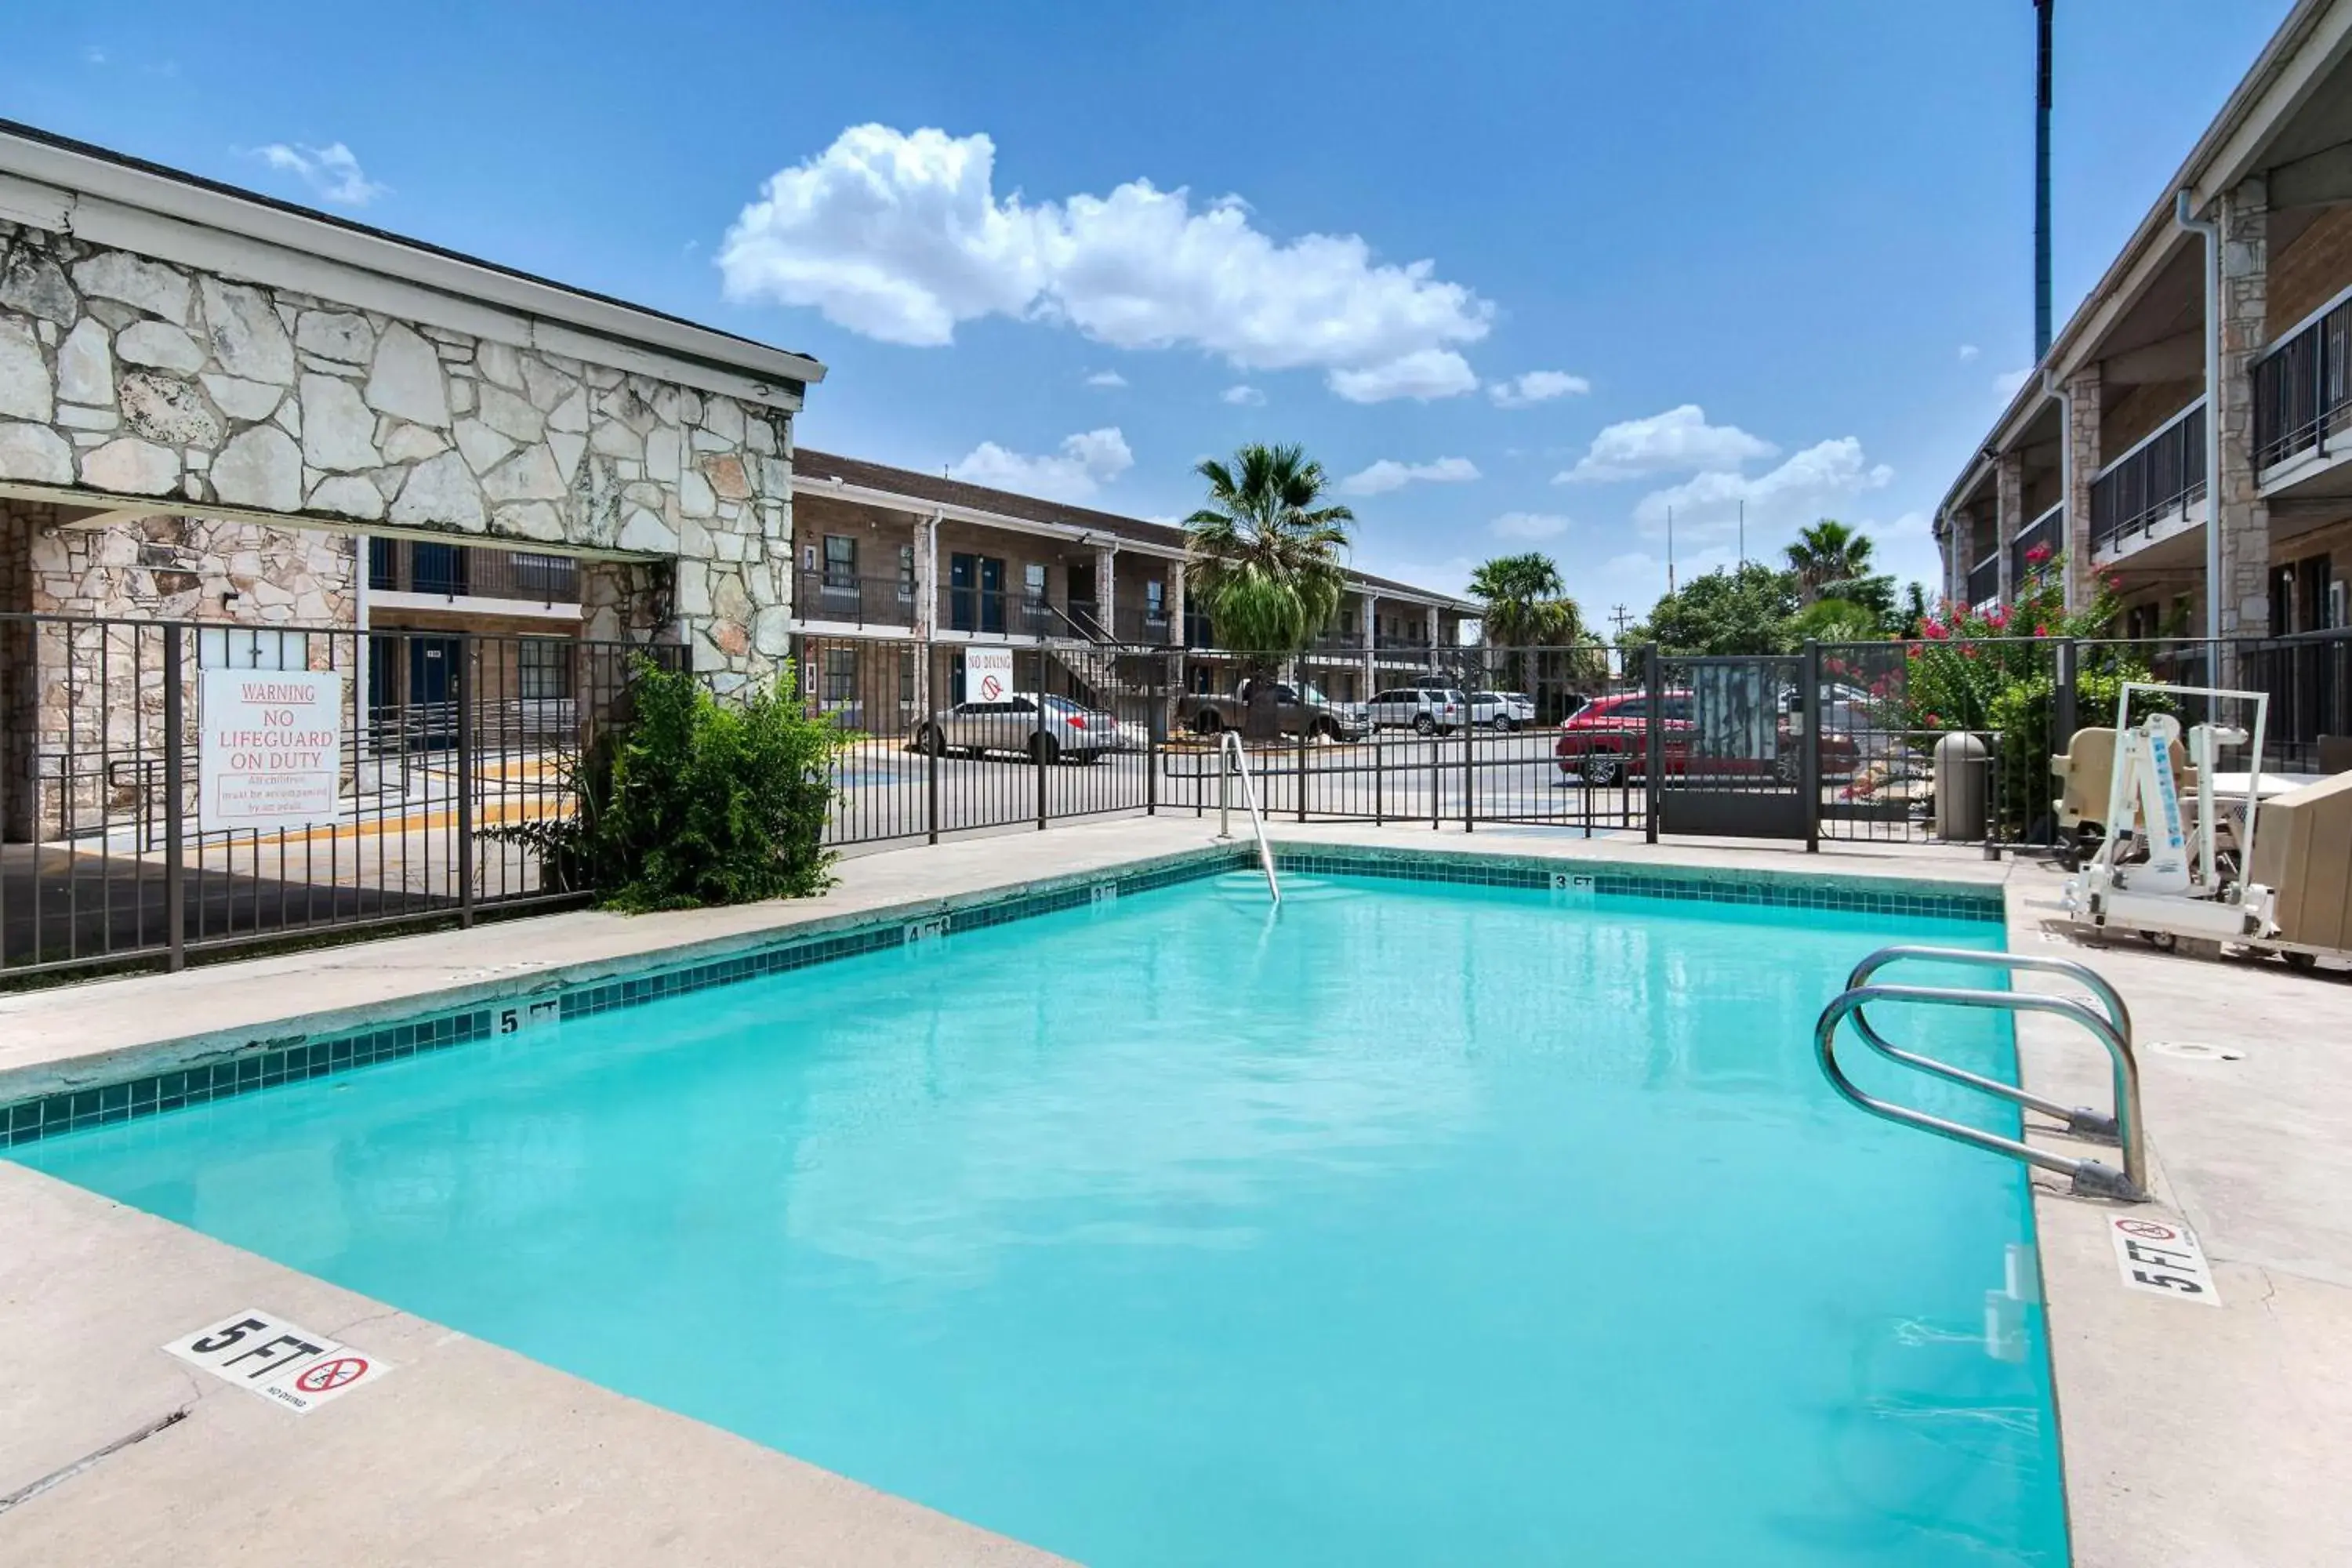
(840, 673)
(384, 565)
(543, 668)
(439, 569)
(1032, 581)
(1155, 601)
(248, 647)
(907, 676)
(906, 573)
(550, 579)
(840, 561)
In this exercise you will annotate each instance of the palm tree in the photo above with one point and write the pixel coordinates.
(1527, 605)
(1828, 552)
(1265, 564)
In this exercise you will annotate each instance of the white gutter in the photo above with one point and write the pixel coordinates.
(2212, 231)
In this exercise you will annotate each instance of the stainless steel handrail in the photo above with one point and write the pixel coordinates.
(2081, 1121)
(1232, 759)
(2112, 1029)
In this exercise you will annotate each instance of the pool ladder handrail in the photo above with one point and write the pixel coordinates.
(1232, 759)
(2110, 1025)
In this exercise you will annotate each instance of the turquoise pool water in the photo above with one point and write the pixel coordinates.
(1422, 1224)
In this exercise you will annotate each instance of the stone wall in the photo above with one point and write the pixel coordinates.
(126, 376)
(199, 569)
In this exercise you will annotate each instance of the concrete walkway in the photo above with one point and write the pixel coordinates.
(2193, 1436)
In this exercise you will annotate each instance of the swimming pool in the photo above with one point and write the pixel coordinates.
(1422, 1222)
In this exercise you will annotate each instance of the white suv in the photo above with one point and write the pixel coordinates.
(1501, 710)
(1423, 709)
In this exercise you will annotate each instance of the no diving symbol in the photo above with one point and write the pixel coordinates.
(989, 690)
(329, 1375)
(2148, 1228)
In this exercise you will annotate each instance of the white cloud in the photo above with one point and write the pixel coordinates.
(93, 55)
(1968, 352)
(1106, 378)
(1678, 440)
(1242, 396)
(330, 171)
(2007, 383)
(902, 236)
(1388, 474)
(1529, 525)
(1535, 386)
(1422, 374)
(1086, 463)
(1810, 483)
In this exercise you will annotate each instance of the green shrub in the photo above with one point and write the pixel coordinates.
(694, 802)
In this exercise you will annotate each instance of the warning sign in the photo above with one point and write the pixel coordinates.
(987, 674)
(270, 752)
(281, 1362)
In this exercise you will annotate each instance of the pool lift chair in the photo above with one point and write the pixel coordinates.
(2159, 871)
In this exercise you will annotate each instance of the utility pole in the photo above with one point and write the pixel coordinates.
(1621, 620)
(2041, 10)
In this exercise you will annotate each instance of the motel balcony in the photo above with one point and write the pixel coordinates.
(1984, 583)
(836, 598)
(2302, 409)
(2149, 505)
(426, 574)
(2046, 533)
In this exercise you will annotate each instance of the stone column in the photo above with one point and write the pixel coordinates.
(1107, 589)
(629, 601)
(1175, 603)
(2237, 510)
(1371, 645)
(2009, 516)
(2083, 396)
(925, 620)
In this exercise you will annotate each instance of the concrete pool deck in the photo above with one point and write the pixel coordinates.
(2191, 1435)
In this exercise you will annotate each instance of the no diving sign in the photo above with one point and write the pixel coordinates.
(281, 1362)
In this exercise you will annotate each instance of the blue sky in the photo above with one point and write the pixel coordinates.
(1523, 275)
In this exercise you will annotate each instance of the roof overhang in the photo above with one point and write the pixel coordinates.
(66, 187)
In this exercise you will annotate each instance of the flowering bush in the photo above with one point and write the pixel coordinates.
(1995, 672)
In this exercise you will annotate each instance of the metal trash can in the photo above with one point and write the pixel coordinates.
(1962, 773)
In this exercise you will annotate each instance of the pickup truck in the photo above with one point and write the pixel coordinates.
(1307, 712)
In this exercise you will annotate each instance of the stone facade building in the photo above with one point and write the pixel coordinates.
(2103, 457)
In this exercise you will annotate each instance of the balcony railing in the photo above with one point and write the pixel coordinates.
(464, 571)
(1984, 580)
(854, 600)
(2303, 389)
(2047, 533)
(2162, 474)
(1142, 624)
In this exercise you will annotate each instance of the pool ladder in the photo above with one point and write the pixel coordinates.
(1232, 759)
(2109, 1024)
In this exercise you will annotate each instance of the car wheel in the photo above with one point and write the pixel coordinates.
(1508, 725)
(2300, 963)
(933, 742)
(1207, 722)
(1601, 767)
(1423, 725)
(1045, 748)
(1325, 730)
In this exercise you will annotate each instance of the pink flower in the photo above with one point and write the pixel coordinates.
(2037, 555)
(1911, 651)
(1999, 618)
(2041, 631)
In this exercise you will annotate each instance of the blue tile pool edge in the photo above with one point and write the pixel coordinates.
(288, 1054)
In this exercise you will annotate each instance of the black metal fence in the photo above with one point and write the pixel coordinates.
(106, 855)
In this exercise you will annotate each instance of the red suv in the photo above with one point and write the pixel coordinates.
(1609, 738)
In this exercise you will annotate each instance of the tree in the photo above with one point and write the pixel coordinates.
(1525, 605)
(1748, 611)
(1827, 553)
(1265, 565)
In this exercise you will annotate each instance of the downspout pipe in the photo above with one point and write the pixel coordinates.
(2052, 386)
(2184, 213)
